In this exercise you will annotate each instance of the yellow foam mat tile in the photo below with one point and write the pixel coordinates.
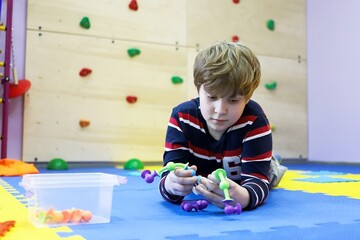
(13, 209)
(290, 181)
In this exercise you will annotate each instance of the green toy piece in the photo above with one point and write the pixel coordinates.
(271, 86)
(170, 166)
(132, 52)
(220, 174)
(270, 24)
(177, 80)
(85, 23)
(134, 164)
(57, 164)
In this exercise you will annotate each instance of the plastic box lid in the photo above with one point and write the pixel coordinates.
(64, 180)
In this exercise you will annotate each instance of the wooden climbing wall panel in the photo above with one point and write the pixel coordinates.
(168, 35)
(60, 97)
(213, 20)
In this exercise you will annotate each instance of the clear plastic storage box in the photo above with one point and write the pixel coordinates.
(70, 198)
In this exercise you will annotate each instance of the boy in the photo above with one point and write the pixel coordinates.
(222, 128)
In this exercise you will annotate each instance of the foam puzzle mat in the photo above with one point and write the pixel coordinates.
(312, 202)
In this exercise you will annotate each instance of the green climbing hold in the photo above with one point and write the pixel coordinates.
(132, 52)
(270, 24)
(57, 164)
(85, 22)
(177, 80)
(134, 164)
(271, 86)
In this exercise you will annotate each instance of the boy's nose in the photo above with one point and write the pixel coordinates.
(220, 106)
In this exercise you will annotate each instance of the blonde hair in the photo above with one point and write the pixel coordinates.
(227, 68)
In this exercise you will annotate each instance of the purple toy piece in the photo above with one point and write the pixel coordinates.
(197, 205)
(186, 206)
(231, 209)
(148, 176)
(202, 204)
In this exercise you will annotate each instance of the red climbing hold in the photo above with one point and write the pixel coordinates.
(235, 38)
(236, 1)
(17, 90)
(133, 5)
(85, 71)
(131, 99)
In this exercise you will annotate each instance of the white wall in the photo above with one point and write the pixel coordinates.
(333, 80)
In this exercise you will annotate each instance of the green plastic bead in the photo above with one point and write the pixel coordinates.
(132, 52)
(85, 22)
(224, 185)
(177, 80)
(170, 166)
(133, 164)
(57, 164)
(220, 174)
(270, 24)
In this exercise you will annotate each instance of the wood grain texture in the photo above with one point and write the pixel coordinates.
(169, 34)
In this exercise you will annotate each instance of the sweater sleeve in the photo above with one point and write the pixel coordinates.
(255, 161)
(167, 196)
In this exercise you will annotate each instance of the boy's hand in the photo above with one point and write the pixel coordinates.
(180, 181)
(209, 189)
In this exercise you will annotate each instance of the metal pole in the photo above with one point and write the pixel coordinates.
(6, 79)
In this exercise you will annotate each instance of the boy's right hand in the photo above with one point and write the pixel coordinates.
(180, 181)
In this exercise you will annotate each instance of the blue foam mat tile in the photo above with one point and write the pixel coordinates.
(326, 179)
(145, 212)
(317, 173)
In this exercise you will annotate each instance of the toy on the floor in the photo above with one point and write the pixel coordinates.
(5, 227)
(220, 175)
(133, 164)
(197, 205)
(57, 164)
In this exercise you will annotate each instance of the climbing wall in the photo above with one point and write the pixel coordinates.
(106, 74)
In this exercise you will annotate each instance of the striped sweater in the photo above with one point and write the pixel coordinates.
(244, 150)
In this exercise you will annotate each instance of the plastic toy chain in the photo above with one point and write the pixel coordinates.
(170, 166)
(220, 175)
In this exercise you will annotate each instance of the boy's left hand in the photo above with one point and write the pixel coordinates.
(209, 189)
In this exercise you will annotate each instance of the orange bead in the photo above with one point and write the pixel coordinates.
(50, 216)
(86, 216)
(58, 217)
(76, 216)
(66, 216)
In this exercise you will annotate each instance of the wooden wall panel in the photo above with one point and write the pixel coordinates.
(214, 20)
(169, 34)
(60, 97)
(286, 105)
(157, 21)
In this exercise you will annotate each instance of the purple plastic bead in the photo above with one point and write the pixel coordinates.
(231, 209)
(148, 176)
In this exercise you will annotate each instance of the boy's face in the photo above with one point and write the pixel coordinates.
(220, 113)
